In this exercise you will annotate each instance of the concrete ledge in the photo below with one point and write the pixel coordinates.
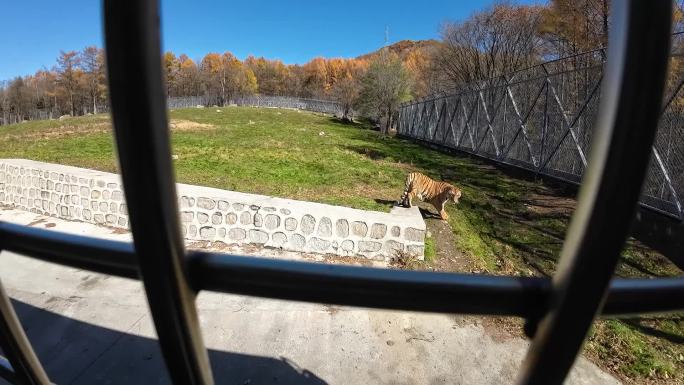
(217, 215)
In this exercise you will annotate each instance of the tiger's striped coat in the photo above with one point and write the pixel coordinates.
(429, 190)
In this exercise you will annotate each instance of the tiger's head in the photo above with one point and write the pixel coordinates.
(454, 193)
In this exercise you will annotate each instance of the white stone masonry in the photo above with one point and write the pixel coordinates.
(216, 215)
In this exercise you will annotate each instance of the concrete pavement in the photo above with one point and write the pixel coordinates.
(93, 329)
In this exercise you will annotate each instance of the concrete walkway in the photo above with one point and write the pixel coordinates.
(93, 329)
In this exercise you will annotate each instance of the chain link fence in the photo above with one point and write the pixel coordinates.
(541, 119)
(314, 105)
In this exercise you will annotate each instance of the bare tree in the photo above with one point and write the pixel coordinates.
(573, 26)
(92, 61)
(385, 85)
(492, 42)
(4, 102)
(346, 92)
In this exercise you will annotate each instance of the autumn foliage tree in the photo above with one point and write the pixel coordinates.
(496, 40)
(68, 76)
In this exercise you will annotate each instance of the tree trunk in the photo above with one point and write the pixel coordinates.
(71, 101)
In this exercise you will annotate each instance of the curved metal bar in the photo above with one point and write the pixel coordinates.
(98, 255)
(413, 290)
(369, 287)
(6, 371)
(624, 133)
(141, 130)
(639, 296)
(25, 366)
(340, 284)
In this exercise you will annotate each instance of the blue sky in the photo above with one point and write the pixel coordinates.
(33, 32)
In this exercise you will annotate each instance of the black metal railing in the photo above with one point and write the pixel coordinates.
(559, 311)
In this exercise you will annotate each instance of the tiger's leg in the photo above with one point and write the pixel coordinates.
(409, 198)
(442, 213)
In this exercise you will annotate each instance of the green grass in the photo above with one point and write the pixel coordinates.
(634, 348)
(430, 250)
(499, 225)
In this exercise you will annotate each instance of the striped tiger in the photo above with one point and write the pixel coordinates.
(429, 190)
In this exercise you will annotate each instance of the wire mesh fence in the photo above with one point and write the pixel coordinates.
(541, 119)
(314, 105)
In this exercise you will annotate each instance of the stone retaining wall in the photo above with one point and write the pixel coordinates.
(216, 215)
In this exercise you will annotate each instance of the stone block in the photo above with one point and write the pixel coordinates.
(290, 224)
(184, 202)
(207, 232)
(415, 250)
(318, 244)
(238, 207)
(324, 227)
(258, 236)
(272, 221)
(231, 218)
(369, 246)
(278, 239)
(297, 242)
(187, 216)
(216, 218)
(378, 230)
(237, 234)
(246, 218)
(342, 228)
(307, 224)
(360, 229)
(206, 203)
(414, 235)
(392, 247)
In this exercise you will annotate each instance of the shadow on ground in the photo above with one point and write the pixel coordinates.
(512, 221)
(76, 352)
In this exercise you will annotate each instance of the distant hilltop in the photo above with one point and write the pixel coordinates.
(404, 48)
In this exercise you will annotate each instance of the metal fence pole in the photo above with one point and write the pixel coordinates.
(142, 136)
(625, 131)
(26, 368)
